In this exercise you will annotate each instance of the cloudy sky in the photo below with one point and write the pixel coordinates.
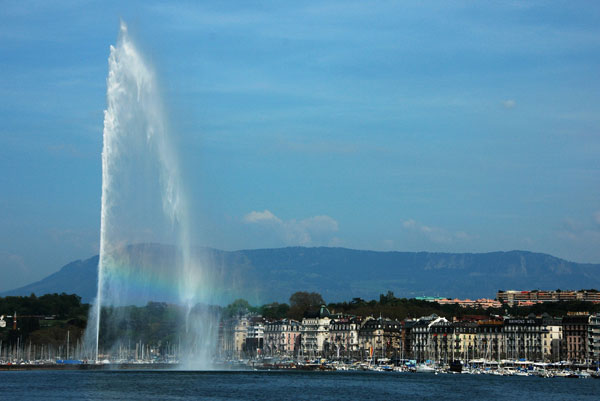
(438, 126)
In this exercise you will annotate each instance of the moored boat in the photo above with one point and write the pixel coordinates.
(424, 368)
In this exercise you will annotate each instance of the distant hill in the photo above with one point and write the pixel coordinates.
(78, 277)
(266, 275)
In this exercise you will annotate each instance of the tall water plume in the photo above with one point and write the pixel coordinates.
(143, 201)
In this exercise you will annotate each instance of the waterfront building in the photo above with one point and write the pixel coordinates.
(442, 333)
(490, 340)
(523, 338)
(551, 337)
(575, 335)
(420, 339)
(392, 336)
(406, 344)
(594, 338)
(315, 333)
(240, 332)
(380, 337)
(465, 338)
(422, 348)
(226, 338)
(370, 338)
(344, 335)
(282, 337)
(234, 333)
(255, 336)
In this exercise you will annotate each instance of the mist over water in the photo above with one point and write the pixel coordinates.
(143, 201)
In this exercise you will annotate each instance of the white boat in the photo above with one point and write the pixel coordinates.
(424, 368)
(521, 373)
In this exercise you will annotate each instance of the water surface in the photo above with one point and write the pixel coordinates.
(278, 385)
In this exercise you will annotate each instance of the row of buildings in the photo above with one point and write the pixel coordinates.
(483, 303)
(574, 338)
(525, 298)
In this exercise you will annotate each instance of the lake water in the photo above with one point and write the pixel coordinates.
(280, 385)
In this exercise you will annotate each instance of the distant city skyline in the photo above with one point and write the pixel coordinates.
(431, 126)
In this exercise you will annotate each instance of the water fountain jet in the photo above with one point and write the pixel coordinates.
(139, 168)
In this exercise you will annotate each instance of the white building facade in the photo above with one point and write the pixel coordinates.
(315, 333)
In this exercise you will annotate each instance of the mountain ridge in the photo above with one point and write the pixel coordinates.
(340, 274)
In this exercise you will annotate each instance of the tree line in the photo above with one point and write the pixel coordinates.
(392, 307)
(43, 320)
(158, 323)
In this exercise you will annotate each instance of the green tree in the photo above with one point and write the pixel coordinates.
(237, 307)
(384, 299)
(302, 302)
(274, 310)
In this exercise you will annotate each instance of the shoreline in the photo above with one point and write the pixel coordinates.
(89, 366)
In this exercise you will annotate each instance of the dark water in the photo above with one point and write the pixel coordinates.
(173, 385)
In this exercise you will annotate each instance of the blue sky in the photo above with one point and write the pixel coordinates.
(438, 126)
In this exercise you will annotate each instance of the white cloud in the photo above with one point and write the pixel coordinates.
(297, 232)
(509, 103)
(258, 217)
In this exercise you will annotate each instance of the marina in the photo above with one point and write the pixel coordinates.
(475, 367)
